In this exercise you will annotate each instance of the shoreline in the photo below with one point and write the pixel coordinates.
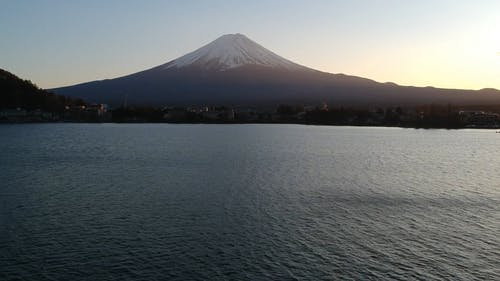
(252, 123)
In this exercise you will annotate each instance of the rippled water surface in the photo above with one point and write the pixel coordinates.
(248, 202)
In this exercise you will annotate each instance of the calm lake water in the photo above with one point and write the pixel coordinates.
(247, 202)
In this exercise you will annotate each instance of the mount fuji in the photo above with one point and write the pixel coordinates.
(234, 70)
(232, 51)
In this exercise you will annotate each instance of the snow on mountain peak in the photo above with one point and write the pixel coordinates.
(231, 51)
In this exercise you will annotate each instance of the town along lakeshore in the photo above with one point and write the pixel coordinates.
(427, 116)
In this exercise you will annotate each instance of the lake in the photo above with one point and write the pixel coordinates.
(248, 202)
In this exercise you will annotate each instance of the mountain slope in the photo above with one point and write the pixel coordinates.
(237, 71)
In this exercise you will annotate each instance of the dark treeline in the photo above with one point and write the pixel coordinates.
(137, 114)
(19, 93)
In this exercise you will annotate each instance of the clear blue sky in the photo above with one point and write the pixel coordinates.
(442, 43)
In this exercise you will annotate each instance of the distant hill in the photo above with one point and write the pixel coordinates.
(234, 70)
(18, 93)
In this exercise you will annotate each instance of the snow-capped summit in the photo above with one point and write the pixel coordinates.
(232, 51)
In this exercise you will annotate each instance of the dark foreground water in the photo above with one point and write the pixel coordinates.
(247, 202)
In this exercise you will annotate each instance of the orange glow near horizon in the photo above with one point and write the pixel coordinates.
(446, 44)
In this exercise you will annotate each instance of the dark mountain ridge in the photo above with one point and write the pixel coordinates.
(18, 93)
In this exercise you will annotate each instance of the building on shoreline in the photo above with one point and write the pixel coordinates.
(481, 119)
